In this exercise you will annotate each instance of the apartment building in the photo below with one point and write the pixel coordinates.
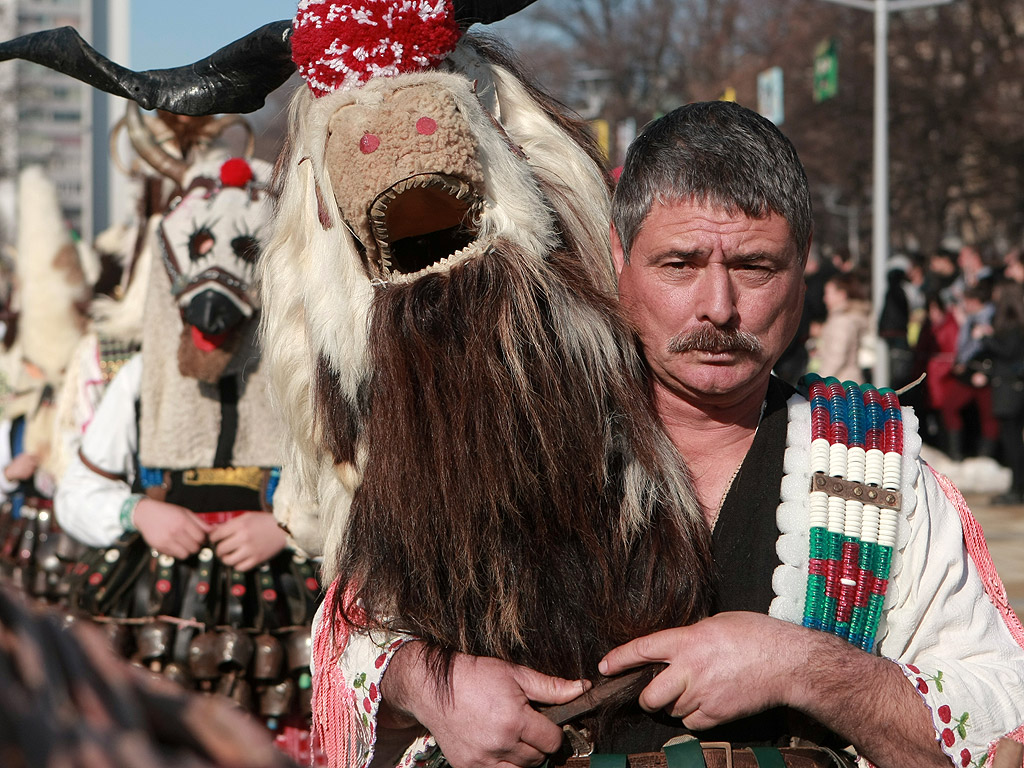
(51, 120)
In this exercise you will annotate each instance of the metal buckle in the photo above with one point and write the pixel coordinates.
(581, 745)
(725, 745)
(851, 490)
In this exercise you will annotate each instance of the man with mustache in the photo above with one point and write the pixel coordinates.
(711, 229)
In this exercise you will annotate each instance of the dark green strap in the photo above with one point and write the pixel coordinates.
(768, 757)
(686, 754)
(607, 761)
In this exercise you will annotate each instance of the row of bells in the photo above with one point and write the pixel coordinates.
(266, 673)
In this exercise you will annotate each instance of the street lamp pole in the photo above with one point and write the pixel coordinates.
(880, 182)
(880, 197)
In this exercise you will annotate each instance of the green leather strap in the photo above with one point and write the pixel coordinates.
(768, 757)
(686, 754)
(607, 761)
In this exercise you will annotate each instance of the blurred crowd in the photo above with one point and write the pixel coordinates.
(954, 316)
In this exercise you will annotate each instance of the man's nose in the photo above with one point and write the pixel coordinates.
(716, 299)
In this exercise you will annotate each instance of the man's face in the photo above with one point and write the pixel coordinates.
(716, 298)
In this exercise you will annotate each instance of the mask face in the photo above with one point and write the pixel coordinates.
(407, 181)
(210, 239)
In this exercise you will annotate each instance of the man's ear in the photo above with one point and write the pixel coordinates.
(618, 256)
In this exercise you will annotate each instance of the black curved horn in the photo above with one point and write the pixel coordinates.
(234, 79)
(469, 12)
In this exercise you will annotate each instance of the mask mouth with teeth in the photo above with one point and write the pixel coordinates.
(424, 223)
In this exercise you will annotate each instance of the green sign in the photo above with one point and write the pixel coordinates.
(826, 70)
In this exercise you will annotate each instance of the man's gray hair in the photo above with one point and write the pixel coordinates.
(713, 152)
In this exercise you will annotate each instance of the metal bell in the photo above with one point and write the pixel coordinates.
(236, 688)
(299, 645)
(203, 656)
(234, 649)
(276, 700)
(154, 640)
(269, 657)
(120, 638)
(177, 673)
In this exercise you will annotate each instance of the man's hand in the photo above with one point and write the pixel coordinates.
(736, 664)
(486, 720)
(170, 529)
(248, 540)
(722, 668)
(22, 467)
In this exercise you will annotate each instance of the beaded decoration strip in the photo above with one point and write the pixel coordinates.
(856, 465)
(113, 355)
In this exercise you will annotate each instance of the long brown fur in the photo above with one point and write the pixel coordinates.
(490, 519)
(480, 443)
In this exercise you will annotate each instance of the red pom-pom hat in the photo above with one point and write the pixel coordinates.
(341, 45)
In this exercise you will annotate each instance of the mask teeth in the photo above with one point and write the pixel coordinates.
(457, 188)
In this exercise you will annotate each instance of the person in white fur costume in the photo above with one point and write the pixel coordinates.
(177, 471)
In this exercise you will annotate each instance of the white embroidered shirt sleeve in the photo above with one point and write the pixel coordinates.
(948, 636)
(87, 504)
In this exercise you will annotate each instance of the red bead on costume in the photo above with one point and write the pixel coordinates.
(238, 590)
(831, 578)
(163, 586)
(95, 578)
(269, 595)
(202, 587)
(235, 172)
(312, 585)
(865, 580)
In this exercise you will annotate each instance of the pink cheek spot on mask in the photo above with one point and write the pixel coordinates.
(368, 143)
(426, 126)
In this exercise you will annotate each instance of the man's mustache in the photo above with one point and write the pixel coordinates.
(710, 338)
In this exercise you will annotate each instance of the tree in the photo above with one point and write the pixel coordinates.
(956, 110)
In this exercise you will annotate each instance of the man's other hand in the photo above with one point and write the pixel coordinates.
(170, 529)
(727, 666)
(486, 720)
(248, 540)
(736, 664)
